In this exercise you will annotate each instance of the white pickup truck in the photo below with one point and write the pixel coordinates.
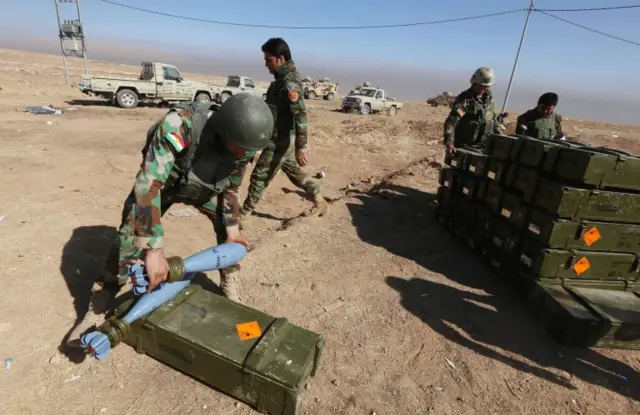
(371, 100)
(237, 84)
(158, 82)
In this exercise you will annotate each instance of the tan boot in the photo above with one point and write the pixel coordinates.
(100, 302)
(320, 206)
(229, 286)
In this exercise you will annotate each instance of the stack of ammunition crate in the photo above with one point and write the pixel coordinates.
(559, 222)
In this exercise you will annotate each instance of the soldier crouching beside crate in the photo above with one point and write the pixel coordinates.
(193, 157)
(473, 114)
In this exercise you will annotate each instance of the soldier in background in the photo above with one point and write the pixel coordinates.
(473, 114)
(288, 147)
(193, 157)
(542, 122)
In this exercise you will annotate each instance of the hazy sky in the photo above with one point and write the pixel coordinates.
(597, 77)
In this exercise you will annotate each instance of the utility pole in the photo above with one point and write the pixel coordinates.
(515, 63)
(71, 34)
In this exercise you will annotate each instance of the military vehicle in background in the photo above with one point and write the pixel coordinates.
(237, 84)
(323, 88)
(371, 101)
(446, 98)
(157, 83)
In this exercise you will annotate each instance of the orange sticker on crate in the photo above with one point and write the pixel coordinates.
(581, 266)
(248, 331)
(591, 236)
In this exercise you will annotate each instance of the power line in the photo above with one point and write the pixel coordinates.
(591, 9)
(589, 29)
(219, 22)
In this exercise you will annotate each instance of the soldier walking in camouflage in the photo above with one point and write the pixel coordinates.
(473, 114)
(542, 122)
(288, 147)
(193, 157)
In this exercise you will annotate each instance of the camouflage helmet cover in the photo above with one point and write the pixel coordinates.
(483, 76)
(244, 119)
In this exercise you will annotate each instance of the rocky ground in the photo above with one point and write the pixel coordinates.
(413, 323)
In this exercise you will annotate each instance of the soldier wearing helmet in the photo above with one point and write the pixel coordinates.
(193, 155)
(542, 122)
(473, 113)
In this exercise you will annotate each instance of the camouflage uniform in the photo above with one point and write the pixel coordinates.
(166, 176)
(285, 93)
(536, 125)
(141, 227)
(471, 120)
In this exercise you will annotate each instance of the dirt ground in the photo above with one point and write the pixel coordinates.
(415, 324)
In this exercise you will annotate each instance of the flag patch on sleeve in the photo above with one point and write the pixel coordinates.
(292, 94)
(176, 141)
(460, 110)
(524, 127)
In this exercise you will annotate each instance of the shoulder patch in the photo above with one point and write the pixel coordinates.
(460, 110)
(523, 126)
(176, 140)
(292, 94)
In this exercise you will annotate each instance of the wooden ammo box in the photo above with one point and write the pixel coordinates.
(588, 316)
(258, 359)
(595, 166)
(575, 203)
(582, 234)
(537, 261)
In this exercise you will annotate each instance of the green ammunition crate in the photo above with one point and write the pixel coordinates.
(448, 177)
(536, 261)
(477, 232)
(462, 216)
(575, 203)
(586, 235)
(492, 196)
(258, 359)
(460, 159)
(470, 185)
(599, 284)
(535, 152)
(447, 199)
(595, 167)
(588, 317)
(477, 163)
(497, 170)
(504, 147)
(514, 209)
(524, 180)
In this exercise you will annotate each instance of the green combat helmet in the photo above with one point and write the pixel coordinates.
(483, 76)
(245, 120)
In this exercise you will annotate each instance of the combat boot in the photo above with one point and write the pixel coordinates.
(229, 286)
(100, 302)
(320, 206)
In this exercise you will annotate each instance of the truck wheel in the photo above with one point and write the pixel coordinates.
(126, 98)
(365, 109)
(393, 110)
(312, 95)
(224, 96)
(203, 97)
(330, 96)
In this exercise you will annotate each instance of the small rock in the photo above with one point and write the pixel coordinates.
(103, 410)
(204, 406)
(313, 286)
(237, 404)
(56, 359)
(335, 382)
(49, 122)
